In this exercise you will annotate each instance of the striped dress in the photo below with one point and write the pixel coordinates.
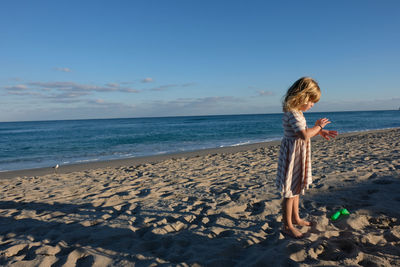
(294, 166)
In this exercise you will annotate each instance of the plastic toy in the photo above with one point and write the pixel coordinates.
(337, 214)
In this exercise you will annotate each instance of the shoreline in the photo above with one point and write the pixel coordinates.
(219, 209)
(134, 161)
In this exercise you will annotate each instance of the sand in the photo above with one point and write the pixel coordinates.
(208, 209)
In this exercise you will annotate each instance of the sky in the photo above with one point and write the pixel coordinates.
(126, 59)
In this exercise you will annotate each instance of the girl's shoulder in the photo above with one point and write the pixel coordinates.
(295, 113)
(293, 116)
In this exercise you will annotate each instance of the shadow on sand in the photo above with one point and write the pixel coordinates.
(144, 237)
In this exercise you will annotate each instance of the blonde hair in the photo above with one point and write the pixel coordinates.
(301, 92)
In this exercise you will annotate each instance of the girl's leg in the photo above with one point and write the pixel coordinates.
(287, 208)
(296, 217)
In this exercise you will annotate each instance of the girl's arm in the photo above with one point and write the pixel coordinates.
(311, 132)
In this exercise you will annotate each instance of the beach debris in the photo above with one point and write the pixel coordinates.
(56, 168)
(338, 213)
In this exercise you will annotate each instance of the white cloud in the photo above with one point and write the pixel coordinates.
(20, 93)
(83, 102)
(126, 83)
(96, 101)
(18, 87)
(68, 92)
(163, 87)
(115, 85)
(194, 106)
(188, 84)
(167, 86)
(71, 86)
(129, 90)
(147, 80)
(78, 87)
(61, 92)
(265, 93)
(63, 69)
(67, 95)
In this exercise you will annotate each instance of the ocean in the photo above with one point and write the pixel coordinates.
(35, 144)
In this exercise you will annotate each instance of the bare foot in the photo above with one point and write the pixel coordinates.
(293, 232)
(302, 222)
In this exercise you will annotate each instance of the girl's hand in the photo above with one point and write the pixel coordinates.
(322, 122)
(328, 134)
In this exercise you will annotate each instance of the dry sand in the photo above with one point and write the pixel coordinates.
(219, 209)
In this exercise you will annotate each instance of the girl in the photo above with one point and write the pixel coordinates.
(294, 166)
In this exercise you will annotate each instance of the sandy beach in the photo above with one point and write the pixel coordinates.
(208, 208)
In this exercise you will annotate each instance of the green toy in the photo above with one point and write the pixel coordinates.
(337, 214)
(344, 212)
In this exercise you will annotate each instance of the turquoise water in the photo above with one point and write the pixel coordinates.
(25, 145)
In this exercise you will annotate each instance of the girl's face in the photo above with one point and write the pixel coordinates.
(307, 106)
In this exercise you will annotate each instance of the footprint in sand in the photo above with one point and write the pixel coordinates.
(373, 261)
(75, 257)
(144, 192)
(383, 222)
(297, 252)
(338, 249)
(255, 208)
(85, 261)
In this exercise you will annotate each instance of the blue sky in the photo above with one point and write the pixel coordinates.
(110, 59)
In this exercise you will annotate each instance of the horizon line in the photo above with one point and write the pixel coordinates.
(179, 116)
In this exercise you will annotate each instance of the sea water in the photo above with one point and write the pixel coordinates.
(25, 145)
